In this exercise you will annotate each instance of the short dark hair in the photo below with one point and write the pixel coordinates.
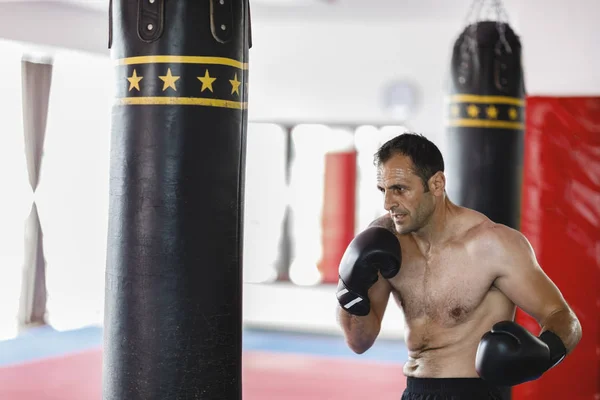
(424, 154)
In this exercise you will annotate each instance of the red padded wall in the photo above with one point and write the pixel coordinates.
(561, 218)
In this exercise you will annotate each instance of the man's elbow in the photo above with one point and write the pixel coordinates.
(360, 346)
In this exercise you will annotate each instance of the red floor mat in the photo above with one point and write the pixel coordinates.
(266, 376)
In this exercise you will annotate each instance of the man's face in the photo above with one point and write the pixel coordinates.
(404, 194)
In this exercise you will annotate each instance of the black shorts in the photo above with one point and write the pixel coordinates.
(453, 389)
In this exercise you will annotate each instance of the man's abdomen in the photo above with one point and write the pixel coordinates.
(445, 348)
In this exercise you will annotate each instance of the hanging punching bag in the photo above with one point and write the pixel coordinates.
(173, 308)
(485, 121)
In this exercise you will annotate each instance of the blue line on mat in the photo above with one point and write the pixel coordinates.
(47, 342)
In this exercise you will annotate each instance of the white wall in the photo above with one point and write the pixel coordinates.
(337, 71)
(561, 46)
(55, 25)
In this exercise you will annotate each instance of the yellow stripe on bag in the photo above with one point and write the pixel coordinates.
(182, 60)
(473, 98)
(184, 101)
(482, 123)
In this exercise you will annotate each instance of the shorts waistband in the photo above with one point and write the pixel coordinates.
(437, 385)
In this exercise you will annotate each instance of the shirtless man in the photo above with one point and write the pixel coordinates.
(458, 278)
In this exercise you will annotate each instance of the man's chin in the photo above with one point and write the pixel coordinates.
(401, 229)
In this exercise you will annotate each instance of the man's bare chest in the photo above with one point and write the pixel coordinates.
(445, 289)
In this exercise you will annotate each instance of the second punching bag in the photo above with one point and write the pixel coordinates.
(173, 308)
(485, 121)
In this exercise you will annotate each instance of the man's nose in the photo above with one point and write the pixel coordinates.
(389, 202)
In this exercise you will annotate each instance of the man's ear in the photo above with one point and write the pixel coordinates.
(437, 183)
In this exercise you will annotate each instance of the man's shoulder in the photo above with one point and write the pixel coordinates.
(488, 238)
(499, 233)
(385, 221)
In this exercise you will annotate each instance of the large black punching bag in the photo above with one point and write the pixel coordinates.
(173, 308)
(485, 121)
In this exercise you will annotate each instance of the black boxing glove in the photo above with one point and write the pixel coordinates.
(509, 355)
(374, 250)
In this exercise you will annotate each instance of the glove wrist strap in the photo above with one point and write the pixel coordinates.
(351, 301)
(557, 348)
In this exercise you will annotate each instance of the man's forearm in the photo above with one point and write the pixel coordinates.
(564, 324)
(360, 332)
